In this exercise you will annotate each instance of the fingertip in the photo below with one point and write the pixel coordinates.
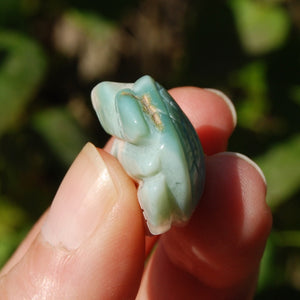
(223, 243)
(257, 221)
(227, 101)
(250, 162)
(93, 233)
(211, 113)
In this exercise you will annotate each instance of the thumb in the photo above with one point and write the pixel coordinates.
(91, 243)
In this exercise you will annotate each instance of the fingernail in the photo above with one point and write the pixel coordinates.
(249, 161)
(83, 201)
(228, 102)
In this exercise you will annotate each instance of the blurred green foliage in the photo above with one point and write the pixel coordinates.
(53, 52)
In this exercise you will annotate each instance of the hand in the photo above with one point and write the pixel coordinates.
(90, 244)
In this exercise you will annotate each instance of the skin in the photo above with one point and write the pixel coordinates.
(215, 256)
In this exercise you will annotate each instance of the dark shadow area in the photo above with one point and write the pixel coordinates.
(284, 292)
(213, 49)
(110, 9)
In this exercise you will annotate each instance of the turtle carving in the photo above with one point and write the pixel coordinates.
(157, 146)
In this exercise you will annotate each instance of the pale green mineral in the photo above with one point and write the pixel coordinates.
(157, 146)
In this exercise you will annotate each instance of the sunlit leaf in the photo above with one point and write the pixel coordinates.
(281, 166)
(12, 229)
(295, 94)
(262, 25)
(61, 132)
(269, 274)
(251, 79)
(287, 238)
(21, 70)
(9, 242)
(11, 216)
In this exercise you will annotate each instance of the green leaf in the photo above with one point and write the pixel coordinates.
(12, 228)
(281, 166)
(11, 216)
(22, 68)
(262, 25)
(287, 238)
(60, 130)
(295, 94)
(251, 79)
(270, 272)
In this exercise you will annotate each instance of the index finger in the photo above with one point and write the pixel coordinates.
(212, 114)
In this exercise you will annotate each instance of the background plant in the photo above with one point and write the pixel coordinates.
(53, 52)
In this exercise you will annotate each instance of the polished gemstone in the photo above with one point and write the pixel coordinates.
(157, 146)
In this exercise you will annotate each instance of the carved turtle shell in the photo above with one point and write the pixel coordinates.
(190, 143)
(157, 146)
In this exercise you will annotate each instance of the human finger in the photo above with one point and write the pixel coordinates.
(217, 255)
(91, 245)
(212, 114)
